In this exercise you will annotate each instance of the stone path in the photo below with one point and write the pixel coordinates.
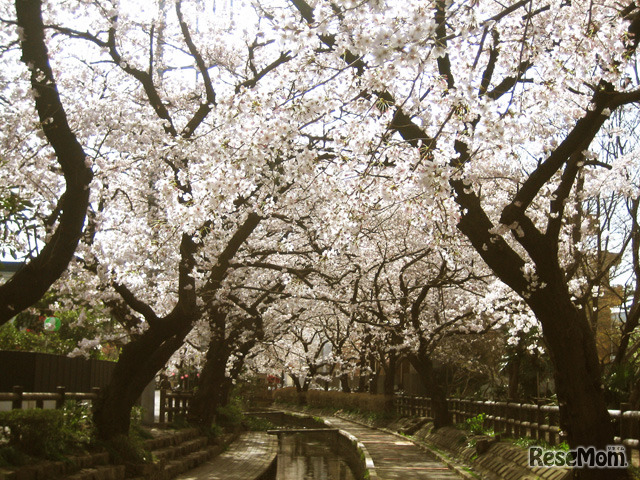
(396, 458)
(246, 459)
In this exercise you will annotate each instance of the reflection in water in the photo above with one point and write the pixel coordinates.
(304, 456)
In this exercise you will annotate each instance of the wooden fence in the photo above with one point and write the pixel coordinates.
(173, 405)
(538, 421)
(19, 399)
(43, 372)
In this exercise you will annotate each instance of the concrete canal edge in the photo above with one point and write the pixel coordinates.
(355, 453)
(362, 466)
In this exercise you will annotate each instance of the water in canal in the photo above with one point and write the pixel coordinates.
(306, 456)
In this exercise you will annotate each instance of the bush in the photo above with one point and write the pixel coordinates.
(127, 449)
(78, 422)
(286, 395)
(354, 402)
(40, 433)
(230, 415)
(10, 456)
(258, 424)
(476, 424)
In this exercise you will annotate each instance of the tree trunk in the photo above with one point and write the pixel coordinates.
(344, 383)
(514, 376)
(363, 383)
(301, 388)
(213, 390)
(390, 374)
(567, 334)
(138, 364)
(424, 366)
(571, 344)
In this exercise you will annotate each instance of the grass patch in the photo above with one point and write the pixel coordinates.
(258, 424)
(526, 442)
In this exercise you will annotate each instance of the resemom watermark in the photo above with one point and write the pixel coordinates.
(614, 456)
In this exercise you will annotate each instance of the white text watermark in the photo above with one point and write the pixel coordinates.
(614, 456)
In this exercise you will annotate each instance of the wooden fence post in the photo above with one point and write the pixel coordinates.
(490, 411)
(170, 400)
(540, 435)
(508, 427)
(625, 428)
(163, 403)
(96, 391)
(61, 391)
(16, 403)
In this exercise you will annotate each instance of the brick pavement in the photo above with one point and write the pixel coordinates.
(246, 459)
(395, 458)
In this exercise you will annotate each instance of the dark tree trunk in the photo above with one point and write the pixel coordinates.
(296, 383)
(390, 374)
(301, 388)
(373, 377)
(213, 388)
(514, 377)
(363, 383)
(577, 373)
(434, 389)
(344, 383)
(567, 334)
(138, 364)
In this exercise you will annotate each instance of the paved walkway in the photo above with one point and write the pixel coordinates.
(246, 459)
(395, 458)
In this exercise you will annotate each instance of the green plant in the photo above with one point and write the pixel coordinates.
(78, 424)
(135, 428)
(476, 424)
(230, 415)
(257, 424)
(214, 432)
(11, 456)
(127, 449)
(39, 433)
(526, 442)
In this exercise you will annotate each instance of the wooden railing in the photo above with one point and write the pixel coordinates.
(538, 421)
(173, 405)
(18, 398)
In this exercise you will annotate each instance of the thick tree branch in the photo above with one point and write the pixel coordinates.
(31, 282)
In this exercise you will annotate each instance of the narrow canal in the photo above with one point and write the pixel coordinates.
(311, 456)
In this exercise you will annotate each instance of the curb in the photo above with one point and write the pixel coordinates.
(369, 466)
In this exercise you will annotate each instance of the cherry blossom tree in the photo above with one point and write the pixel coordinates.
(504, 102)
(186, 168)
(232, 332)
(45, 150)
(487, 109)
